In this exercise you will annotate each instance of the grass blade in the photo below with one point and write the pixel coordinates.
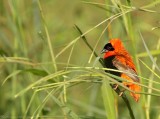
(149, 54)
(108, 99)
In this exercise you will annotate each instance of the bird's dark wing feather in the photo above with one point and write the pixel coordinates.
(125, 69)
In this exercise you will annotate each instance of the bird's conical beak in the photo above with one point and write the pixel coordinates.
(103, 51)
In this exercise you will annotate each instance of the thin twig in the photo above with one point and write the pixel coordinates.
(90, 47)
(118, 91)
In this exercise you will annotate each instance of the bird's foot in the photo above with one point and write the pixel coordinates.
(121, 93)
(115, 86)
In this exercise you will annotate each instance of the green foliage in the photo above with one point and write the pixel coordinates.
(108, 98)
(49, 68)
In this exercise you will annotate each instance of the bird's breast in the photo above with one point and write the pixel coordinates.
(109, 64)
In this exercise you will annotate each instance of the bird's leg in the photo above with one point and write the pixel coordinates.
(121, 92)
(115, 86)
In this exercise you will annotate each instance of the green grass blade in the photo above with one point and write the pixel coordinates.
(11, 75)
(65, 108)
(144, 54)
(48, 37)
(108, 99)
(149, 54)
(46, 78)
(152, 4)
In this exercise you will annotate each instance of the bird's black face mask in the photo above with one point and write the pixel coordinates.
(107, 47)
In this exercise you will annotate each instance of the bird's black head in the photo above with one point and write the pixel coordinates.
(107, 47)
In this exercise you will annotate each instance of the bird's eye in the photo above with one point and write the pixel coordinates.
(109, 47)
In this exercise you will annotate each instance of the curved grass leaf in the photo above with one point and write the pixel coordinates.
(108, 99)
(46, 78)
(37, 72)
(149, 54)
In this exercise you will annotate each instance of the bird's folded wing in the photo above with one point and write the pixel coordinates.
(125, 69)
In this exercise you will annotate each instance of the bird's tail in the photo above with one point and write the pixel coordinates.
(137, 89)
(134, 87)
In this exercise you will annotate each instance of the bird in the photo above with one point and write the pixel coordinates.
(118, 58)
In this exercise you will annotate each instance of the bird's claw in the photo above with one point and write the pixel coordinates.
(115, 86)
(121, 93)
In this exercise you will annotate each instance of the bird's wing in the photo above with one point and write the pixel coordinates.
(125, 69)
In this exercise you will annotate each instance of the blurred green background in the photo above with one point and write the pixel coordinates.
(31, 44)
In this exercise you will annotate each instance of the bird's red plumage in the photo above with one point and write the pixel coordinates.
(123, 61)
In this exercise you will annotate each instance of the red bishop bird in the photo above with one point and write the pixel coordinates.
(117, 57)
